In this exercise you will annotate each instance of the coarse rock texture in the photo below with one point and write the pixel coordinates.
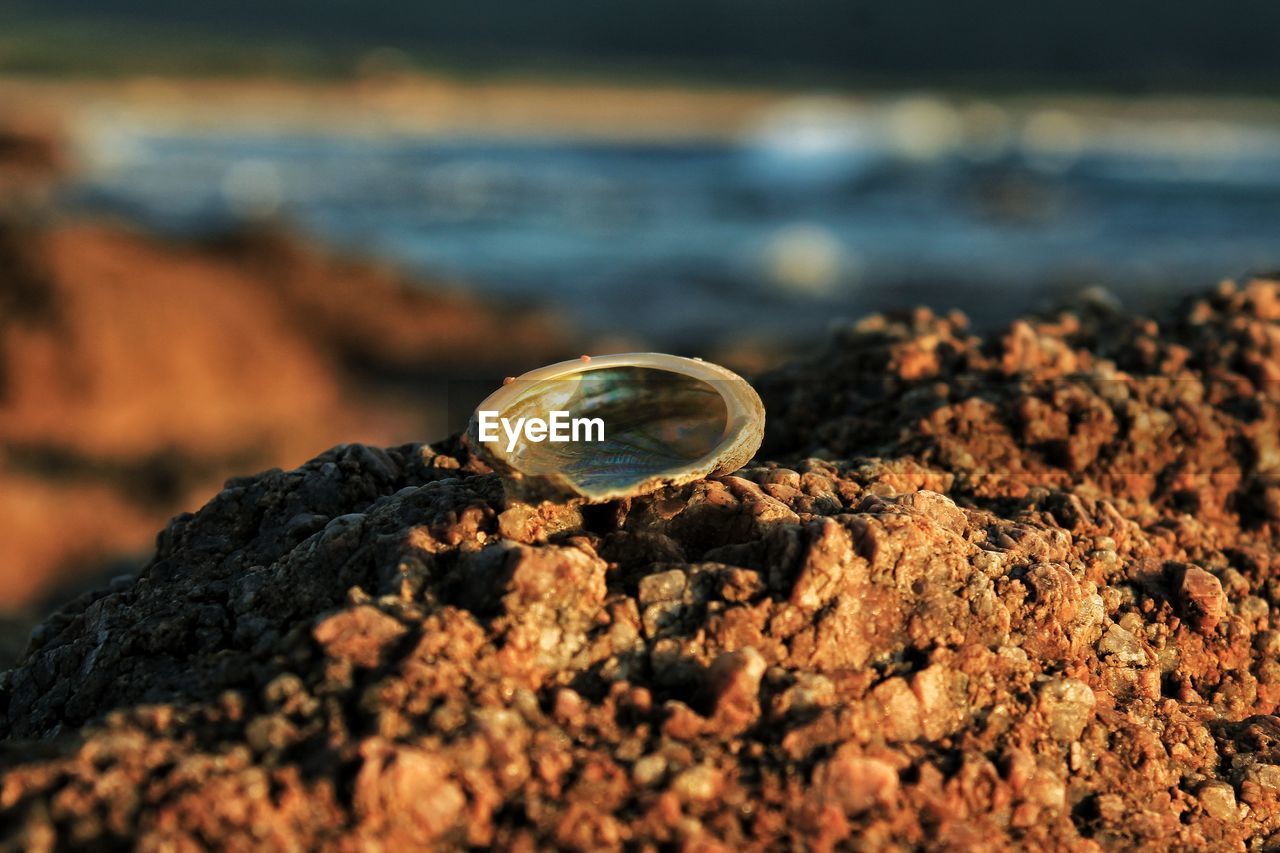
(988, 595)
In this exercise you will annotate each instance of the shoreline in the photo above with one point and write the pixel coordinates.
(424, 105)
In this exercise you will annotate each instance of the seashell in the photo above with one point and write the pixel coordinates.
(667, 420)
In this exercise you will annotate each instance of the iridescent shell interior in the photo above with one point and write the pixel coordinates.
(660, 426)
(654, 420)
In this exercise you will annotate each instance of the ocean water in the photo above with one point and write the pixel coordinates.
(810, 217)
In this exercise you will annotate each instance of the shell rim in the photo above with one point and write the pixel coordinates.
(742, 401)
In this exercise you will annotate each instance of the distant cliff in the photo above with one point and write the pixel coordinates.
(136, 374)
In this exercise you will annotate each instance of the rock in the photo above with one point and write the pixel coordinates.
(1265, 775)
(896, 710)
(129, 401)
(1218, 799)
(360, 635)
(940, 692)
(697, 784)
(827, 567)
(663, 586)
(409, 791)
(1203, 601)
(1067, 705)
(735, 685)
(649, 770)
(552, 598)
(855, 783)
(930, 621)
(1121, 647)
(1056, 591)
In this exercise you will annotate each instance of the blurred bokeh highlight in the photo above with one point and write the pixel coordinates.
(233, 235)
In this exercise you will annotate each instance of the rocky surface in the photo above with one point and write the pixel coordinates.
(986, 594)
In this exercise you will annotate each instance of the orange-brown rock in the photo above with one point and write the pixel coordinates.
(926, 622)
(136, 375)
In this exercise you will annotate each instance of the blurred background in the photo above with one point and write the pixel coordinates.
(233, 234)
